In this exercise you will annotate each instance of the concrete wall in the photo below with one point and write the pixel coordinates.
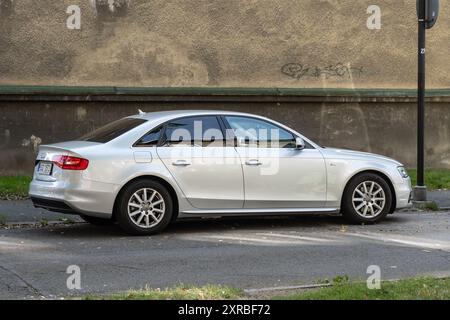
(385, 127)
(232, 43)
(216, 44)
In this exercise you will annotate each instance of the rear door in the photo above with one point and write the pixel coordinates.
(207, 170)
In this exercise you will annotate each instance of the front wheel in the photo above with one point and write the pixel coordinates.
(145, 208)
(367, 199)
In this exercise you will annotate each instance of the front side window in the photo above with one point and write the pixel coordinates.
(202, 131)
(112, 130)
(259, 133)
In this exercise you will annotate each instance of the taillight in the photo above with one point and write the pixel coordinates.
(70, 163)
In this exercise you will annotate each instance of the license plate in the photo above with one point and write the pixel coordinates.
(45, 168)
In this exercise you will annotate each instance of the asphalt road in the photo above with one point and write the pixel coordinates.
(243, 253)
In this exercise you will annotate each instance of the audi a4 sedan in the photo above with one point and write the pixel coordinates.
(147, 170)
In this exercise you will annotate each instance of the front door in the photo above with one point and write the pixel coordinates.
(276, 174)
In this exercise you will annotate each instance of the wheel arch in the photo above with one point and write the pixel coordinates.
(166, 184)
(382, 175)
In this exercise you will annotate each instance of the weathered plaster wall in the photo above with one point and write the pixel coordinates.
(387, 127)
(217, 43)
(237, 43)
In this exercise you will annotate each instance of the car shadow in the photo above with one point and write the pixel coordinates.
(305, 222)
(209, 225)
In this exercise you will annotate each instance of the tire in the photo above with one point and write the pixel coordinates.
(97, 221)
(144, 212)
(362, 199)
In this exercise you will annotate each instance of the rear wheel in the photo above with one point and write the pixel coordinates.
(145, 208)
(97, 221)
(367, 199)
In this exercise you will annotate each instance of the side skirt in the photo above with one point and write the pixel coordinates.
(257, 212)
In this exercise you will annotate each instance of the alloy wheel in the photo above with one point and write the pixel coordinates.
(146, 208)
(369, 199)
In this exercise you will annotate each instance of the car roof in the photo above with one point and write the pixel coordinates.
(186, 113)
(163, 116)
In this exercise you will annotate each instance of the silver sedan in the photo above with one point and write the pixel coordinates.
(147, 170)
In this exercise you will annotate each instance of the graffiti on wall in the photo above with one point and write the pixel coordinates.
(338, 71)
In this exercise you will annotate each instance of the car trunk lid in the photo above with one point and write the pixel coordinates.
(45, 168)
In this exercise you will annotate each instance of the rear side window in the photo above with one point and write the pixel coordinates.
(112, 130)
(150, 139)
(202, 131)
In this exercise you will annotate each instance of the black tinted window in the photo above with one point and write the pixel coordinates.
(150, 139)
(112, 130)
(200, 131)
(251, 131)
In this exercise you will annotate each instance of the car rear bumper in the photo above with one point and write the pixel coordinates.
(53, 205)
(85, 197)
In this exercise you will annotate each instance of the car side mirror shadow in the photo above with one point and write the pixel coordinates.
(173, 141)
(299, 143)
(209, 140)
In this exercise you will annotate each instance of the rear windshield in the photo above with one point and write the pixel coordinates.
(112, 130)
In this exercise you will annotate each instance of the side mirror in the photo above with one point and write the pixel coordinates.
(299, 143)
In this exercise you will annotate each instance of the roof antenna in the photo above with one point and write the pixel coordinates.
(141, 113)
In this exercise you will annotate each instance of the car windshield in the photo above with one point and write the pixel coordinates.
(112, 130)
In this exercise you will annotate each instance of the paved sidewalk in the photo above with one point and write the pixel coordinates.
(442, 198)
(23, 211)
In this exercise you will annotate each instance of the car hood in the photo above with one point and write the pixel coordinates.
(334, 153)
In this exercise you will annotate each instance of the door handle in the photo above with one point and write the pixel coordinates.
(181, 163)
(253, 162)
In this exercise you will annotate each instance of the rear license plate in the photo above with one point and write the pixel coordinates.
(45, 168)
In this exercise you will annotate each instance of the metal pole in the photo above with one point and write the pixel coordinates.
(420, 192)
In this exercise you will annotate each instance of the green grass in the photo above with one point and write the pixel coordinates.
(14, 187)
(434, 178)
(431, 206)
(208, 292)
(341, 289)
(410, 289)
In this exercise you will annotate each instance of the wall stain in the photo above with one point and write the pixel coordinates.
(5, 136)
(110, 9)
(345, 127)
(137, 57)
(337, 70)
(81, 114)
(6, 8)
(33, 142)
(210, 57)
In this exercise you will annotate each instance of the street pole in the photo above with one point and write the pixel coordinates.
(420, 191)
